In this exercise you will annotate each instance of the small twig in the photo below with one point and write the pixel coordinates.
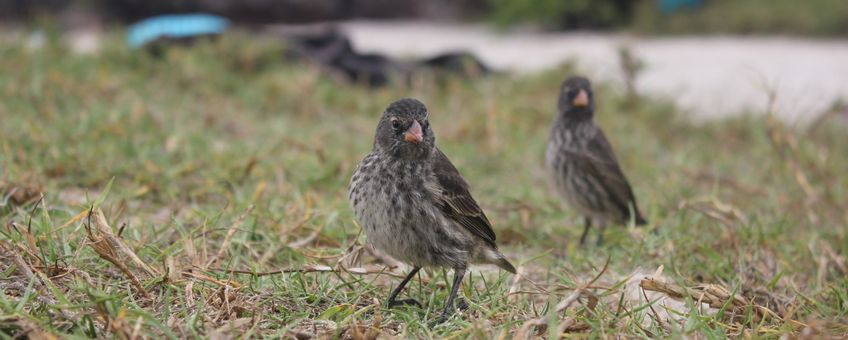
(564, 325)
(515, 286)
(106, 251)
(71, 221)
(137, 328)
(569, 300)
(651, 306)
(31, 248)
(212, 280)
(351, 256)
(725, 181)
(714, 296)
(300, 243)
(534, 284)
(227, 239)
(385, 259)
(32, 212)
(105, 230)
(524, 331)
(629, 313)
(189, 294)
(313, 269)
(22, 265)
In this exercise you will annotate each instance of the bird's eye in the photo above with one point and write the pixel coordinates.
(395, 124)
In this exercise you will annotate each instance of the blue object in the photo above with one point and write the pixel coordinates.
(671, 6)
(174, 26)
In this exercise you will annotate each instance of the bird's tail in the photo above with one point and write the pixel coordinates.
(505, 265)
(491, 255)
(640, 221)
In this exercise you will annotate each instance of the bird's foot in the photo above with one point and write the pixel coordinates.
(404, 302)
(441, 319)
(461, 305)
(582, 243)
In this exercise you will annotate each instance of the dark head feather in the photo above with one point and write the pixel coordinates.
(569, 90)
(395, 121)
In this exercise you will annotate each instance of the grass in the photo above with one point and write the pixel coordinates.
(223, 157)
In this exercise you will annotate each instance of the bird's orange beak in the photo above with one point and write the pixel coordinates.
(582, 99)
(414, 134)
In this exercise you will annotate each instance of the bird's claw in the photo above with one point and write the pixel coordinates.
(461, 305)
(441, 319)
(404, 302)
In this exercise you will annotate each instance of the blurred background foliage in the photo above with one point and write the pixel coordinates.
(809, 17)
(555, 14)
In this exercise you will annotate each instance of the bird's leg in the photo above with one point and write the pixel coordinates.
(587, 223)
(457, 280)
(392, 302)
(601, 229)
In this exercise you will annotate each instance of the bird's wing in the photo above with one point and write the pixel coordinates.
(601, 162)
(451, 194)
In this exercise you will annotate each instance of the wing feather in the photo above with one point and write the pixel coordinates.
(451, 194)
(604, 165)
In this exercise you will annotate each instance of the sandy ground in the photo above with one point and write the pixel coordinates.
(708, 77)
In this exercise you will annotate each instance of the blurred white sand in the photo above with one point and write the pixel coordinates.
(708, 77)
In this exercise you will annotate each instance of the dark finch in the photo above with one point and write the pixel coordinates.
(582, 165)
(414, 205)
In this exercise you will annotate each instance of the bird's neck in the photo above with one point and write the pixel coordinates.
(406, 167)
(574, 118)
(413, 157)
(574, 132)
